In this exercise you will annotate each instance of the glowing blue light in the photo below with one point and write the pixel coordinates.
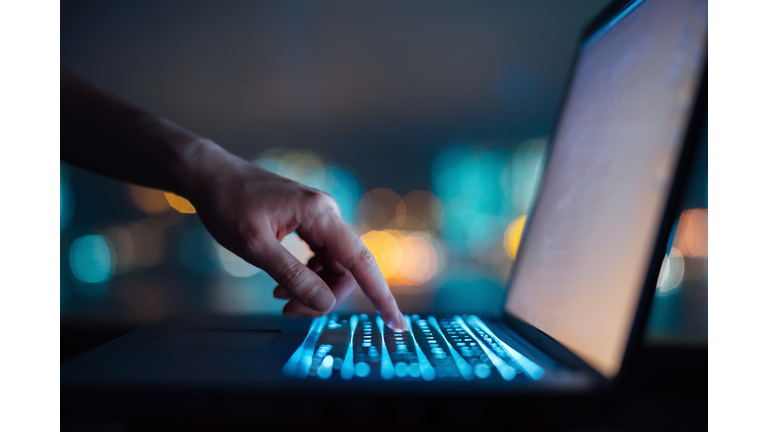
(427, 371)
(529, 368)
(482, 370)
(475, 211)
(464, 368)
(362, 369)
(301, 360)
(345, 189)
(599, 33)
(326, 368)
(401, 369)
(196, 253)
(348, 366)
(507, 372)
(307, 168)
(92, 259)
(387, 370)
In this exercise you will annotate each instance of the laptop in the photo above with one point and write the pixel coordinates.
(577, 297)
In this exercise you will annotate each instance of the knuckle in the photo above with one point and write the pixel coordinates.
(366, 258)
(323, 201)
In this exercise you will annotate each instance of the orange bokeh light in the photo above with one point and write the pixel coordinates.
(404, 258)
(513, 235)
(149, 200)
(691, 235)
(182, 205)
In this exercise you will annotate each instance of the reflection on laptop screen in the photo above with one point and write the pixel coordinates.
(587, 251)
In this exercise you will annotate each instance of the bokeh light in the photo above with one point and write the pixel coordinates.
(513, 235)
(149, 242)
(182, 205)
(520, 179)
(92, 259)
(151, 201)
(233, 264)
(196, 253)
(405, 258)
(307, 168)
(671, 274)
(122, 242)
(238, 267)
(378, 208)
(385, 249)
(475, 211)
(691, 234)
(418, 211)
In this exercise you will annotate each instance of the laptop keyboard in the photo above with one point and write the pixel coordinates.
(449, 348)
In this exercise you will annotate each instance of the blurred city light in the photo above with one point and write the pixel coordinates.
(418, 211)
(238, 267)
(513, 235)
(307, 168)
(122, 243)
(691, 234)
(521, 178)
(148, 240)
(182, 205)
(151, 201)
(378, 209)
(92, 259)
(406, 258)
(385, 249)
(196, 253)
(233, 264)
(475, 211)
(671, 274)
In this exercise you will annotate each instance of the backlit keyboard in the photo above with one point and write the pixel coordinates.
(450, 348)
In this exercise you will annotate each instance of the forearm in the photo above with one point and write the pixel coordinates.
(103, 134)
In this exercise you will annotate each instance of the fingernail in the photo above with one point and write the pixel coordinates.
(322, 300)
(399, 325)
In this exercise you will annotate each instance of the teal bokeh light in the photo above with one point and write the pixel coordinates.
(475, 210)
(92, 259)
(305, 167)
(196, 253)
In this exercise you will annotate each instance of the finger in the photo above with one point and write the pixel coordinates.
(300, 282)
(280, 293)
(342, 286)
(344, 246)
(334, 275)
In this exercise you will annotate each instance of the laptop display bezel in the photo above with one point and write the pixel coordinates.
(692, 135)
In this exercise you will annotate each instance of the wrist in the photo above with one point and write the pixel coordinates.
(201, 161)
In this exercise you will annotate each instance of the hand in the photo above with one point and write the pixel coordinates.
(249, 210)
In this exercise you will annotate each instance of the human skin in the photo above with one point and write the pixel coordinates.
(246, 208)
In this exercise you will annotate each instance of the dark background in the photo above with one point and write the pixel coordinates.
(377, 88)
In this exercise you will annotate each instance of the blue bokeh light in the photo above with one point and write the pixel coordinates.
(92, 259)
(305, 167)
(196, 252)
(475, 211)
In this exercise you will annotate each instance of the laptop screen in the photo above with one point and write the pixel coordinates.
(581, 270)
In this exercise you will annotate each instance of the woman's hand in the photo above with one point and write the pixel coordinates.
(249, 210)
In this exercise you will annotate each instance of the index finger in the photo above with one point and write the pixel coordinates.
(345, 246)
